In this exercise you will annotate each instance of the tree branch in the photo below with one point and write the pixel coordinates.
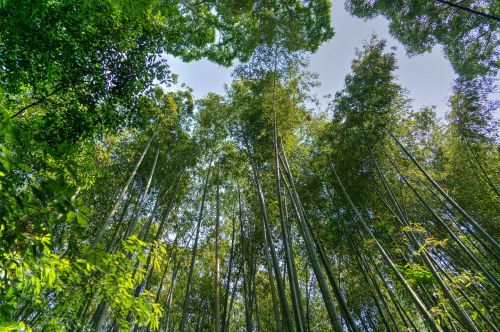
(39, 101)
(493, 17)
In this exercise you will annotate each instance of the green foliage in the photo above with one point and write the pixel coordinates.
(416, 274)
(78, 65)
(369, 104)
(104, 175)
(468, 40)
(472, 113)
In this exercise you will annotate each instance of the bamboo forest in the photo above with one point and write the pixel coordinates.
(130, 203)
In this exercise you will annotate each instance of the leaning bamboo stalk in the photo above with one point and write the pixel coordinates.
(487, 237)
(486, 176)
(107, 222)
(455, 238)
(279, 282)
(331, 278)
(415, 298)
(374, 298)
(311, 250)
(402, 312)
(464, 317)
(193, 254)
(217, 262)
(170, 293)
(379, 292)
(461, 223)
(469, 300)
(292, 278)
(227, 322)
(322, 255)
(246, 291)
(133, 221)
(115, 236)
(228, 280)
(269, 268)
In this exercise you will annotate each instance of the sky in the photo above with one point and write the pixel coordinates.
(428, 77)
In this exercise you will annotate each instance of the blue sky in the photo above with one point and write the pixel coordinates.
(427, 77)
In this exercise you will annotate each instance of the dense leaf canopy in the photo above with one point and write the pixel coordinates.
(127, 204)
(469, 41)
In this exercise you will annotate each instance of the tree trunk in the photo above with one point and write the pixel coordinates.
(416, 299)
(277, 316)
(107, 222)
(464, 317)
(486, 236)
(135, 218)
(217, 262)
(487, 178)
(246, 291)
(455, 238)
(193, 255)
(311, 250)
(290, 266)
(283, 301)
(229, 273)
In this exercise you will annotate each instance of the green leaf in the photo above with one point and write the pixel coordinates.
(8, 136)
(81, 219)
(70, 216)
